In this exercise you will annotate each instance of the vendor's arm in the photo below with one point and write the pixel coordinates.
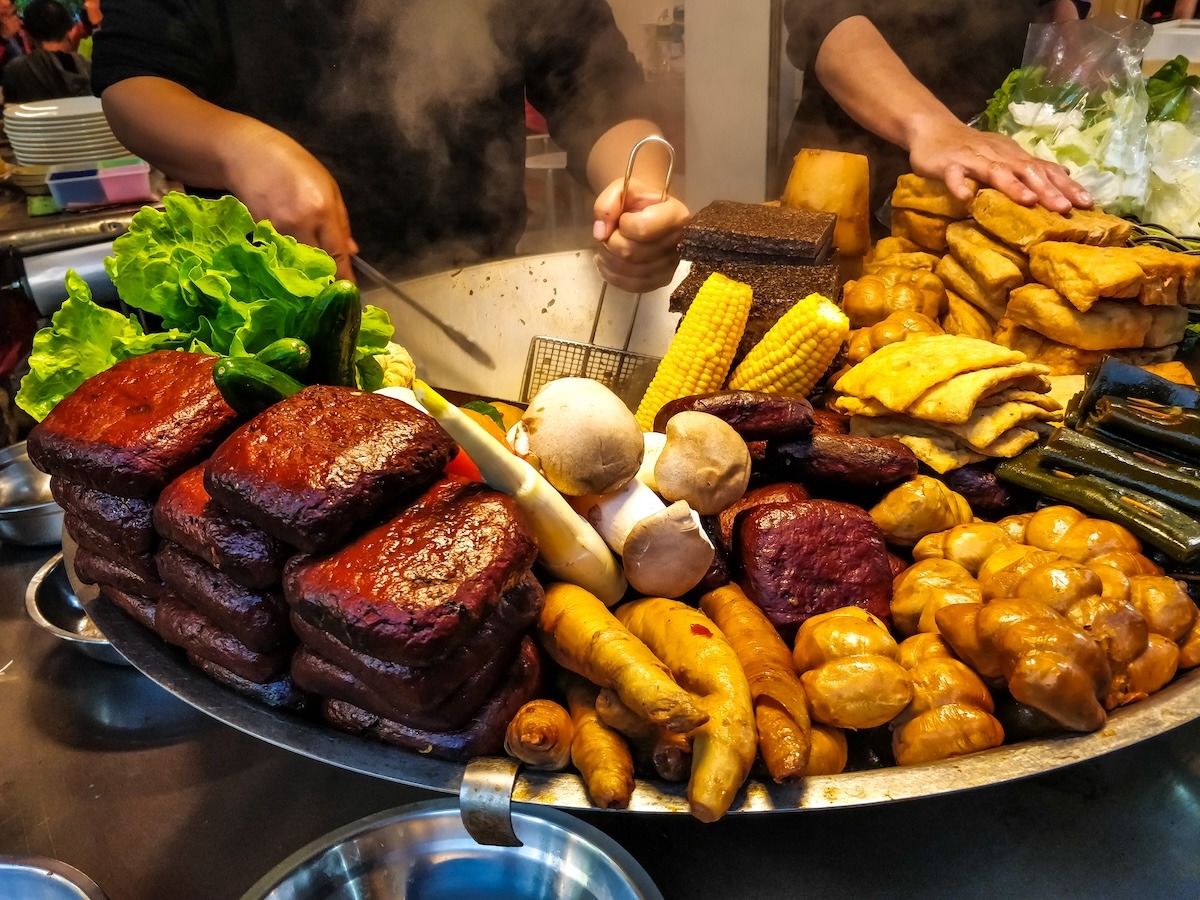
(866, 78)
(205, 146)
(638, 230)
(583, 79)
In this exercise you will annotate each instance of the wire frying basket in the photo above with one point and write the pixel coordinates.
(625, 372)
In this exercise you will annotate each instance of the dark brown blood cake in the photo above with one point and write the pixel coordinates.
(314, 466)
(846, 460)
(93, 568)
(136, 426)
(125, 519)
(279, 693)
(140, 609)
(423, 687)
(181, 625)
(98, 542)
(754, 415)
(415, 588)
(800, 559)
(779, 492)
(187, 515)
(259, 619)
(727, 231)
(485, 733)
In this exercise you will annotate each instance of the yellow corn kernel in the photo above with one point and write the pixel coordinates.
(796, 351)
(702, 350)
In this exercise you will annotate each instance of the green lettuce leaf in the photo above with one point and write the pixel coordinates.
(83, 340)
(205, 267)
(217, 281)
(1170, 91)
(373, 336)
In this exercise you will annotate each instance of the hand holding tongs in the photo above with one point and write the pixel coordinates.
(651, 139)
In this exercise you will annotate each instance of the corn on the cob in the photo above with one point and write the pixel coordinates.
(796, 351)
(702, 350)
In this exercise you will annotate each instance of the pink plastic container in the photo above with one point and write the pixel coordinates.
(126, 183)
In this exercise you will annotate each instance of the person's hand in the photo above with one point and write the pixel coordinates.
(953, 151)
(279, 180)
(638, 235)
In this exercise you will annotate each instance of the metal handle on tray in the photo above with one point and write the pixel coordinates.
(485, 800)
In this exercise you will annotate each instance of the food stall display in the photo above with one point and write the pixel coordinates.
(729, 577)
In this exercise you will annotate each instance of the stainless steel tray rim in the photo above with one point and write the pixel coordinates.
(1171, 707)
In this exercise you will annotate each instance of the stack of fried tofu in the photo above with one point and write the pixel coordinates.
(1065, 290)
(951, 399)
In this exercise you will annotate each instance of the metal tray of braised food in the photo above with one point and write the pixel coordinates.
(529, 286)
(1175, 705)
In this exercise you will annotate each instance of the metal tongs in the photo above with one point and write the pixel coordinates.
(460, 340)
(625, 372)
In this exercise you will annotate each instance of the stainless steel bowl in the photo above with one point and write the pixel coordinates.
(52, 604)
(39, 878)
(28, 513)
(423, 852)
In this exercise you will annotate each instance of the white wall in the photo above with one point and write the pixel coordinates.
(726, 100)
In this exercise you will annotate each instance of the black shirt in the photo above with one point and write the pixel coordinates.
(415, 106)
(961, 51)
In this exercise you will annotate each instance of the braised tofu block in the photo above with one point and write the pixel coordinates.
(483, 735)
(140, 609)
(314, 467)
(187, 515)
(96, 568)
(259, 619)
(127, 520)
(278, 693)
(1024, 226)
(415, 588)
(179, 624)
(468, 674)
(135, 427)
(1084, 274)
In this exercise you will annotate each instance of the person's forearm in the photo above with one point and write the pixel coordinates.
(609, 156)
(186, 137)
(869, 81)
(1184, 9)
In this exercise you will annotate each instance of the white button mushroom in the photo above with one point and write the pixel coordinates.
(664, 548)
(703, 461)
(580, 436)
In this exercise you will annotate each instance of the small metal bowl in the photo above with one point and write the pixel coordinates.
(52, 604)
(28, 513)
(45, 879)
(423, 852)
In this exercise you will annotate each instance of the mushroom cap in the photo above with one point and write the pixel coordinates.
(582, 437)
(703, 461)
(667, 554)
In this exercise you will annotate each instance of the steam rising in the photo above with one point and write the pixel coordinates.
(428, 54)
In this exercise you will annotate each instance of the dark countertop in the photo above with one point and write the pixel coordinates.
(102, 769)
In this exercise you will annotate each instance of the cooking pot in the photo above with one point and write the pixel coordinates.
(503, 305)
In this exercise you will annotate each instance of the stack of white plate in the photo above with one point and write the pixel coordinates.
(30, 179)
(50, 132)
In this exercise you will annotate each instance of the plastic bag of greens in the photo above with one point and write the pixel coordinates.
(1080, 100)
(1173, 144)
